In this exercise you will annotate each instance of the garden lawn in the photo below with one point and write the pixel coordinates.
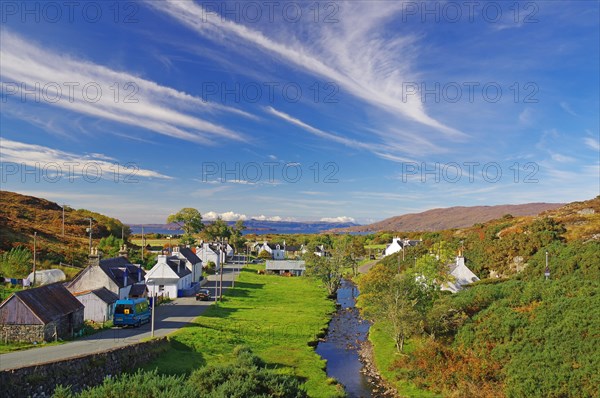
(277, 317)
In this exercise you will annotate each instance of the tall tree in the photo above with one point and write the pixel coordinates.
(393, 304)
(217, 230)
(237, 239)
(190, 220)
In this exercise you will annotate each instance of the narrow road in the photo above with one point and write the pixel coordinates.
(169, 318)
(363, 269)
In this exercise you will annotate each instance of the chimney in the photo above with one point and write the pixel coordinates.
(139, 272)
(123, 251)
(94, 257)
(125, 277)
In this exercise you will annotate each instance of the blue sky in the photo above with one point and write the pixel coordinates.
(305, 111)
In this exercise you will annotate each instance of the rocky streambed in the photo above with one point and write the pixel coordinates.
(347, 350)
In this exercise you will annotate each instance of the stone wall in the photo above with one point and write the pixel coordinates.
(27, 333)
(79, 372)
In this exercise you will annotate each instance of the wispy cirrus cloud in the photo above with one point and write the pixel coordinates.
(380, 150)
(59, 162)
(59, 80)
(355, 53)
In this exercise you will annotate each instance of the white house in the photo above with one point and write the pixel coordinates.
(98, 304)
(116, 274)
(462, 275)
(192, 261)
(394, 247)
(276, 250)
(398, 245)
(209, 252)
(169, 277)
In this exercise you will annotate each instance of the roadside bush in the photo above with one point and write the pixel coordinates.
(247, 377)
(136, 385)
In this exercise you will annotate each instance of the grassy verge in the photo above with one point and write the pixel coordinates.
(384, 352)
(10, 347)
(275, 316)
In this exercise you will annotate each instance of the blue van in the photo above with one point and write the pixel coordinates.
(131, 312)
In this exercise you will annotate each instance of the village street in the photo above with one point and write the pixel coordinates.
(169, 317)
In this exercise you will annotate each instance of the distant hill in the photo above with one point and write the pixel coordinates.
(22, 215)
(258, 227)
(451, 217)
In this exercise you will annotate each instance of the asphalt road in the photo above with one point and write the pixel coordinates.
(169, 318)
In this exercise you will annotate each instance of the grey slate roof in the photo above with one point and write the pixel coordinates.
(138, 289)
(189, 255)
(285, 265)
(105, 295)
(116, 267)
(49, 302)
(178, 266)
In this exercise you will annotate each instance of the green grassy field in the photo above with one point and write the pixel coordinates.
(155, 242)
(275, 316)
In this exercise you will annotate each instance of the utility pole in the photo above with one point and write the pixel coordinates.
(90, 231)
(63, 220)
(547, 270)
(222, 269)
(153, 305)
(143, 246)
(34, 256)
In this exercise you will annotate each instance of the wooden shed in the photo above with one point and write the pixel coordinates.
(98, 304)
(43, 313)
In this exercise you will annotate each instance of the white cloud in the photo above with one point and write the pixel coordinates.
(59, 80)
(226, 216)
(567, 108)
(355, 53)
(562, 158)
(526, 117)
(262, 217)
(55, 163)
(338, 219)
(377, 149)
(593, 143)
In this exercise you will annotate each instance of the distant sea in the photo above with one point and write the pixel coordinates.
(156, 230)
(253, 227)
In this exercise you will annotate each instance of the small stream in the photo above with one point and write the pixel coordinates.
(341, 345)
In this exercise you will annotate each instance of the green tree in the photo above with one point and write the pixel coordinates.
(217, 230)
(265, 255)
(237, 239)
(329, 269)
(16, 263)
(189, 219)
(110, 246)
(394, 306)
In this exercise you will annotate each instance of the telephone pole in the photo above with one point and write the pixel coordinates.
(63, 220)
(90, 231)
(143, 243)
(34, 256)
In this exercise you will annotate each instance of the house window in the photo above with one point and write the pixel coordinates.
(161, 288)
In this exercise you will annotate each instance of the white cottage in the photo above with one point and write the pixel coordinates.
(116, 274)
(461, 274)
(208, 252)
(192, 261)
(169, 277)
(398, 245)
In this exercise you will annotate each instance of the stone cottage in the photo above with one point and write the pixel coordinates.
(44, 313)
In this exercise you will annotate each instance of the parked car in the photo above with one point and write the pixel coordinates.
(203, 295)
